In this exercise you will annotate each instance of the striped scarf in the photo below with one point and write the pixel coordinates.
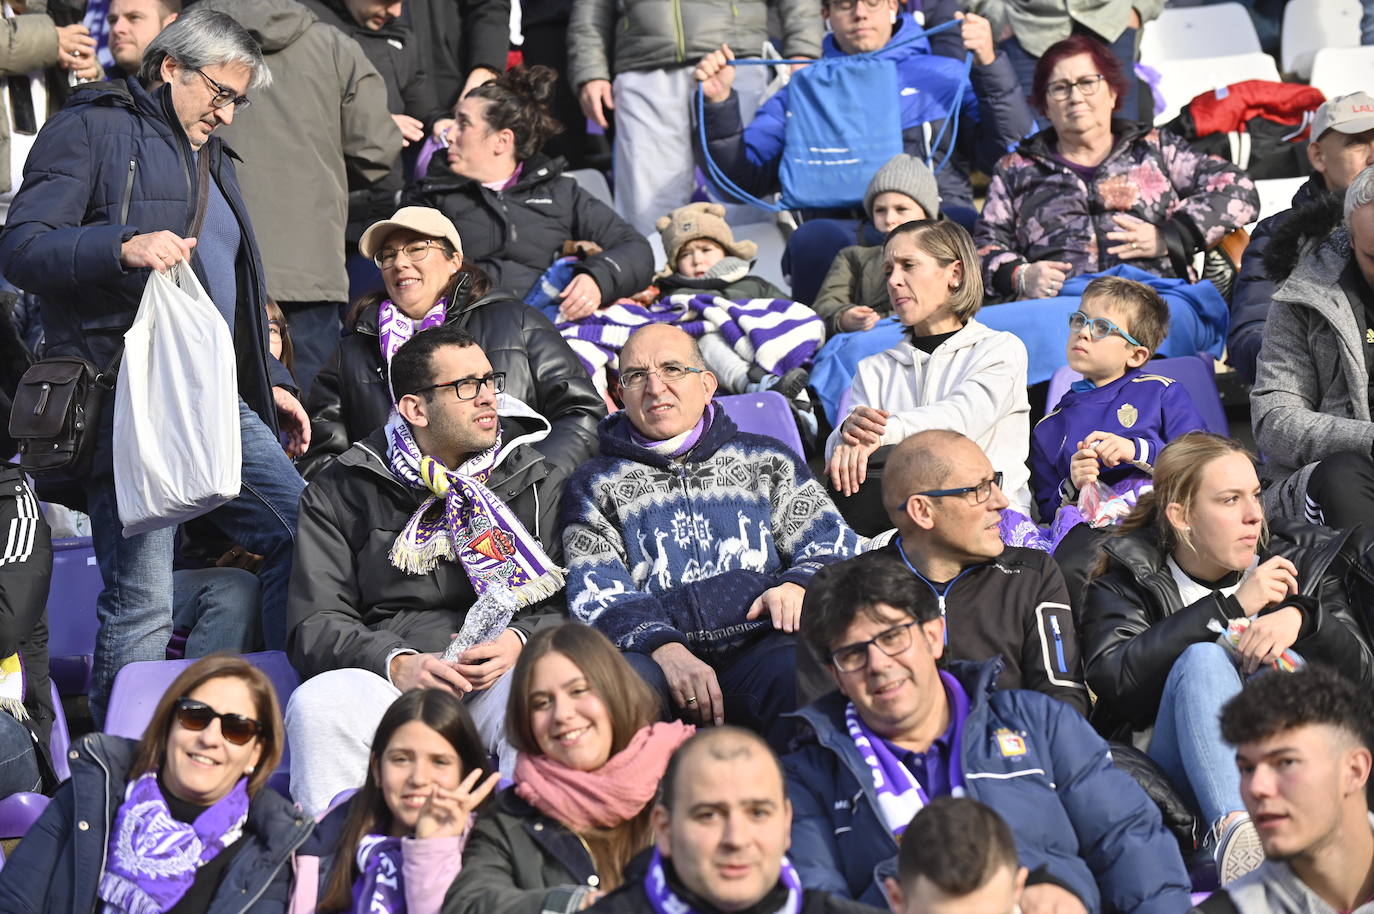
(18, 549)
(473, 525)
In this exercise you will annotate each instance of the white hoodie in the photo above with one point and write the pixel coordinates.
(973, 383)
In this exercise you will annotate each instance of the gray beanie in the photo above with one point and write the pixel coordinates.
(906, 175)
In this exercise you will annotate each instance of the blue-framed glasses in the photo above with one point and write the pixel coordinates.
(1099, 328)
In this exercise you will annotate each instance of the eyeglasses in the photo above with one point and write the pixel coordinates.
(637, 377)
(847, 6)
(977, 494)
(415, 252)
(1099, 328)
(854, 657)
(1060, 90)
(196, 716)
(224, 96)
(469, 388)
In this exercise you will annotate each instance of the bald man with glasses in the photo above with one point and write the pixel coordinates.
(689, 543)
(945, 500)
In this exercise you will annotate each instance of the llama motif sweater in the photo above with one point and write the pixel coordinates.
(663, 550)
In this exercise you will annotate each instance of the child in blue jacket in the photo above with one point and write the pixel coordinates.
(1108, 427)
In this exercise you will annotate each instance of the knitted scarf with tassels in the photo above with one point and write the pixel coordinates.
(471, 524)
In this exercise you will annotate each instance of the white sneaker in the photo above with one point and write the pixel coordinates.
(1238, 849)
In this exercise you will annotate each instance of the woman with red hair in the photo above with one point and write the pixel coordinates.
(1092, 191)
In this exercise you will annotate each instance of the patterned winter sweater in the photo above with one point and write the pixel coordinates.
(660, 550)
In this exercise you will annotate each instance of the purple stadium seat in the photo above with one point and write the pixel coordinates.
(71, 614)
(19, 811)
(764, 413)
(139, 686)
(1195, 373)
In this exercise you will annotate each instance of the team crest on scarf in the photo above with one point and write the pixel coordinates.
(465, 521)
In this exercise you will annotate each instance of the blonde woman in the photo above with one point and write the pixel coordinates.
(1195, 555)
(949, 372)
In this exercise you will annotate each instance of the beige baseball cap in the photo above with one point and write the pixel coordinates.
(1353, 113)
(425, 220)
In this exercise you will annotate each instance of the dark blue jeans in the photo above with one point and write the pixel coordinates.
(135, 608)
(18, 764)
(759, 686)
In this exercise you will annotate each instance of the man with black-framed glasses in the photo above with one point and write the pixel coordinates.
(689, 543)
(438, 525)
(945, 499)
(904, 728)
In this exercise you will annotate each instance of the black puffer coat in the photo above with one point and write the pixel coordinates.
(1135, 625)
(517, 233)
(350, 397)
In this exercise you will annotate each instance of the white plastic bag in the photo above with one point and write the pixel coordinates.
(177, 450)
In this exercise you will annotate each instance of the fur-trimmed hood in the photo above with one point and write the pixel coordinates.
(1307, 225)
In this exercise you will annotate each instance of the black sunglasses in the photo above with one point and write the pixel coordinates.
(196, 716)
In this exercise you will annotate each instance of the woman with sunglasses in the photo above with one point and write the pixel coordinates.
(429, 283)
(179, 821)
(1092, 191)
(591, 755)
(397, 843)
(950, 372)
(1194, 559)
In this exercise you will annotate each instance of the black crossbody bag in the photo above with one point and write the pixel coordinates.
(58, 403)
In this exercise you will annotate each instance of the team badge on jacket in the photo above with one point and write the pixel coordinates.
(1010, 744)
(1127, 415)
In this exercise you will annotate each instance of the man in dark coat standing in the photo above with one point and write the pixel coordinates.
(128, 179)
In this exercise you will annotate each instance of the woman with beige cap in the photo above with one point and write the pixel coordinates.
(428, 283)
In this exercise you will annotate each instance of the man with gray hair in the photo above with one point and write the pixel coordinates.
(129, 178)
(1311, 399)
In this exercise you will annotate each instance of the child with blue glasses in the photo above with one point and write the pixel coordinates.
(1109, 427)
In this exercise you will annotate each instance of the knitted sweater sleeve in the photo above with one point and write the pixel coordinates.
(601, 589)
(807, 527)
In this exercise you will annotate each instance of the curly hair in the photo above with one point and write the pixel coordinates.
(1277, 702)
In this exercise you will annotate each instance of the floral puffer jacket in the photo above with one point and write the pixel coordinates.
(1040, 209)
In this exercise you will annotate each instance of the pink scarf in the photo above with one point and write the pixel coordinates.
(608, 796)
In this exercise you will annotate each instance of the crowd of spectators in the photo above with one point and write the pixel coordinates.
(568, 636)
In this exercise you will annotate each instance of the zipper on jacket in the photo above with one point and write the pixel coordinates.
(128, 193)
(679, 32)
(1059, 644)
(291, 852)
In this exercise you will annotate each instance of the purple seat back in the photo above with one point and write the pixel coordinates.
(72, 622)
(60, 740)
(139, 687)
(1193, 372)
(765, 413)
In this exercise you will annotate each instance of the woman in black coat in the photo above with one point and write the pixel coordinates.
(515, 209)
(1193, 558)
(429, 282)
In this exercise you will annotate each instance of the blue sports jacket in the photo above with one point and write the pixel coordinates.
(993, 118)
(1079, 821)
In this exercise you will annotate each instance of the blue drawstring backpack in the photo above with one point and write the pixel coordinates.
(844, 122)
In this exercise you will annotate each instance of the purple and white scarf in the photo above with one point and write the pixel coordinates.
(473, 525)
(380, 886)
(665, 901)
(677, 445)
(900, 795)
(394, 328)
(152, 858)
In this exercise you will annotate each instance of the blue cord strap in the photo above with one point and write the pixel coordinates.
(729, 188)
